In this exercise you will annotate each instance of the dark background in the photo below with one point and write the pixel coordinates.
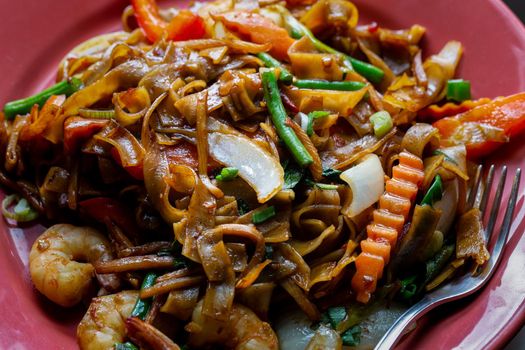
(518, 6)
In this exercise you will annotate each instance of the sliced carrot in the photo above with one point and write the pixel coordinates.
(369, 267)
(381, 249)
(410, 160)
(382, 233)
(402, 188)
(407, 173)
(395, 204)
(386, 218)
(394, 207)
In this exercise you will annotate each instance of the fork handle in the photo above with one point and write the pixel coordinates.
(398, 329)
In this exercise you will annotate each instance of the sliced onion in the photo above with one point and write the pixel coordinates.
(256, 166)
(366, 180)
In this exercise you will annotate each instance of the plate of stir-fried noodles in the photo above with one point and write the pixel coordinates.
(254, 174)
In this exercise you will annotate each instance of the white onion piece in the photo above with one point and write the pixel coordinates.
(256, 166)
(293, 329)
(367, 182)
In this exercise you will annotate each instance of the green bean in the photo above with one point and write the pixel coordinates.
(285, 76)
(142, 306)
(23, 106)
(329, 85)
(279, 116)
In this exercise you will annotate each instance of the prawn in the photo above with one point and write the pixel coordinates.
(55, 262)
(242, 331)
(104, 323)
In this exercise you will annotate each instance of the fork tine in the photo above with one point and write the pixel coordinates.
(474, 191)
(486, 192)
(507, 220)
(497, 201)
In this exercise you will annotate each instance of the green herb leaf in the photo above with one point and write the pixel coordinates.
(293, 174)
(125, 346)
(352, 337)
(434, 193)
(242, 206)
(142, 306)
(336, 315)
(332, 174)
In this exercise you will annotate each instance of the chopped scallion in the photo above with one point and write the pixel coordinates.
(382, 123)
(263, 215)
(125, 346)
(21, 212)
(227, 174)
(314, 115)
(458, 90)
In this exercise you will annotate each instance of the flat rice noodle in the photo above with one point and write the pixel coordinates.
(419, 137)
(131, 105)
(306, 247)
(342, 102)
(116, 52)
(308, 63)
(402, 37)
(238, 254)
(321, 273)
(333, 13)
(470, 242)
(377, 61)
(218, 300)
(292, 265)
(359, 119)
(420, 233)
(181, 178)
(301, 299)
(187, 105)
(456, 160)
(124, 76)
(257, 297)
(252, 275)
(130, 151)
(345, 156)
(404, 92)
(180, 303)
(314, 219)
(276, 229)
(432, 167)
(39, 121)
(236, 46)
(201, 217)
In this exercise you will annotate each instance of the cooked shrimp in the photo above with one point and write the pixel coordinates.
(243, 331)
(104, 323)
(60, 262)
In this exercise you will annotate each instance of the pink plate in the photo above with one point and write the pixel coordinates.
(36, 34)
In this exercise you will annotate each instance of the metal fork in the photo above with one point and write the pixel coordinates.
(468, 283)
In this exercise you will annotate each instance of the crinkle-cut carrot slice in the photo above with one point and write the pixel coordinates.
(402, 188)
(368, 268)
(411, 160)
(395, 204)
(403, 172)
(378, 248)
(379, 232)
(386, 218)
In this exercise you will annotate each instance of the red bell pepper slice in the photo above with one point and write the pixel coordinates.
(184, 26)
(77, 130)
(104, 208)
(259, 30)
(486, 127)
